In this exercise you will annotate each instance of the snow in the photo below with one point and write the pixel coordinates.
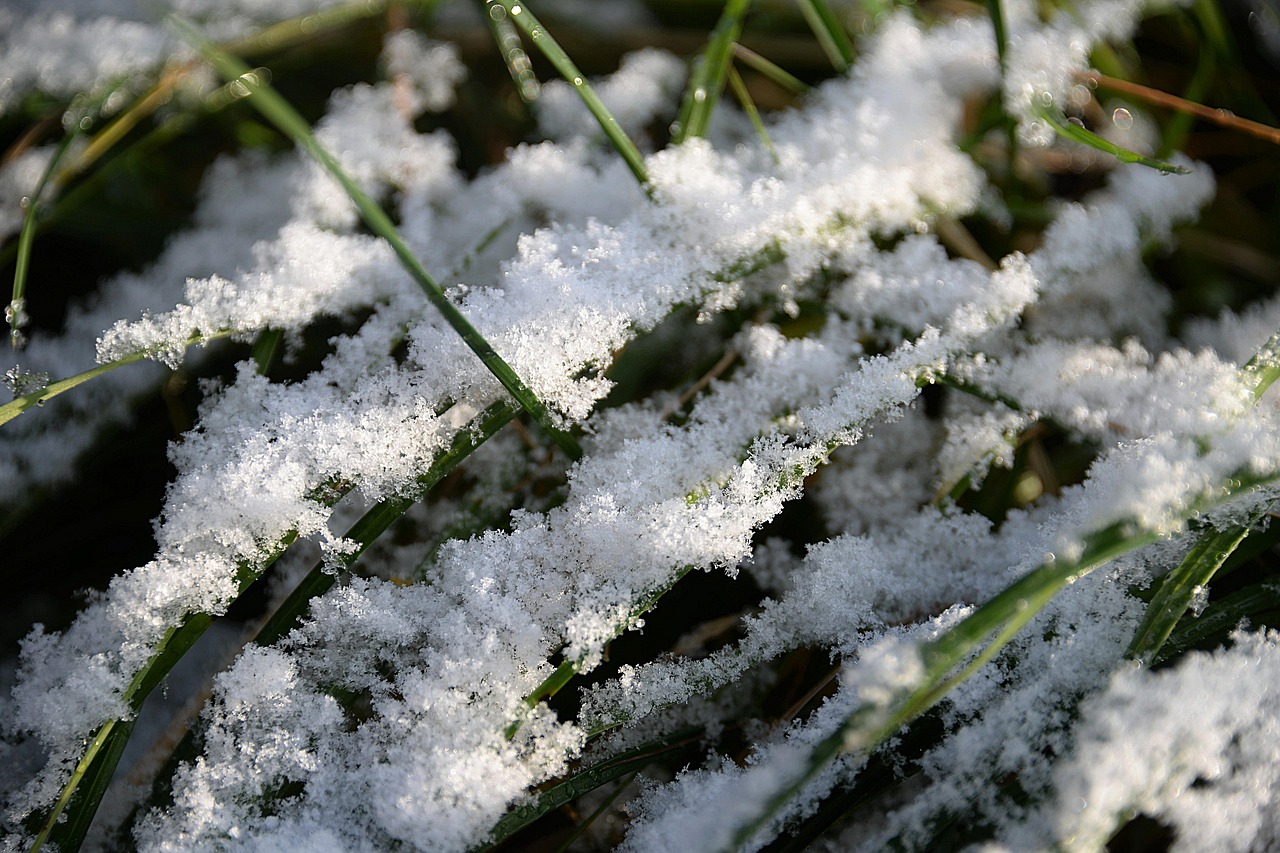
(396, 713)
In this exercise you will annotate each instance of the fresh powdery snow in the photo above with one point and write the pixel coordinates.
(396, 715)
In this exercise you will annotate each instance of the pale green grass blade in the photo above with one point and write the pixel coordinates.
(959, 652)
(39, 397)
(88, 782)
(524, 19)
(1264, 368)
(76, 120)
(771, 70)
(830, 34)
(1076, 133)
(277, 110)
(709, 73)
(749, 107)
(507, 38)
(83, 792)
(15, 313)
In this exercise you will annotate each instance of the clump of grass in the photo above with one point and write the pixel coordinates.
(769, 327)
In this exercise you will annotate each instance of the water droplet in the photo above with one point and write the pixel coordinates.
(577, 81)
(699, 94)
(675, 128)
(1077, 122)
(25, 202)
(497, 13)
(535, 33)
(515, 10)
(1122, 118)
(1045, 99)
(86, 123)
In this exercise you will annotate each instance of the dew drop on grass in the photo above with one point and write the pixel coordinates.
(1122, 118)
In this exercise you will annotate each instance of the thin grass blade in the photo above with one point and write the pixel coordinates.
(278, 111)
(583, 782)
(533, 28)
(507, 39)
(1076, 133)
(376, 521)
(749, 107)
(1180, 588)
(829, 33)
(769, 69)
(709, 73)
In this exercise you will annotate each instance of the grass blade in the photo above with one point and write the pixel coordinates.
(1076, 133)
(278, 111)
(1180, 587)
(584, 782)
(507, 38)
(749, 107)
(1257, 605)
(524, 19)
(830, 34)
(42, 395)
(374, 522)
(709, 73)
(89, 781)
(771, 70)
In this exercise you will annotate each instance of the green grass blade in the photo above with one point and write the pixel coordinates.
(770, 70)
(22, 403)
(830, 34)
(83, 792)
(1264, 368)
(709, 73)
(1180, 587)
(76, 120)
(39, 397)
(507, 38)
(278, 111)
(1256, 605)
(956, 654)
(523, 18)
(1076, 133)
(583, 782)
(374, 522)
(81, 797)
(749, 107)
(15, 314)
(984, 632)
